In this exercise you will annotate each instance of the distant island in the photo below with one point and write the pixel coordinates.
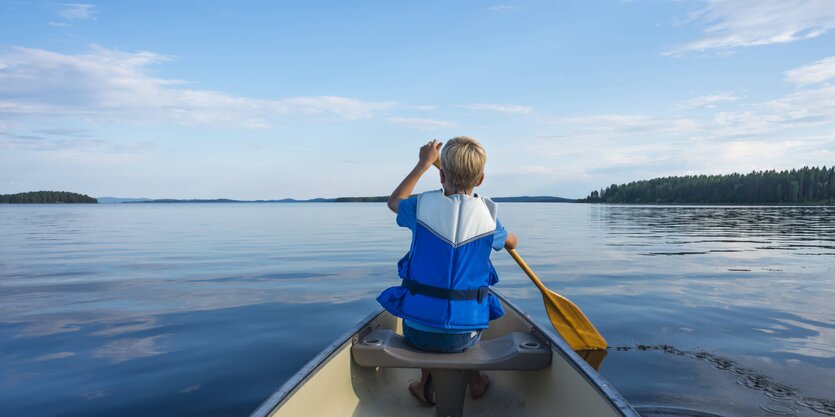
(216, 200)
(522, 199)
(533, 199)
(112, 200)
(798, 186)
(47, 197)
(377, 199)
(381, 199)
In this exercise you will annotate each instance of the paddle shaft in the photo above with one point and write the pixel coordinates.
(528, 271)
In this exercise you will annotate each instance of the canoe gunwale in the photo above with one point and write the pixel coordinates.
(580, 365)
(287, 389)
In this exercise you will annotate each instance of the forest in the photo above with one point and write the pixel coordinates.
(798, 186)
(42, 197)
(381, 199)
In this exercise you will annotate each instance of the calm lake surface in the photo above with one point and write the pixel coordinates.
(205, 309)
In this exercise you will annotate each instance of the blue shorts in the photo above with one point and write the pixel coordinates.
(440, 342)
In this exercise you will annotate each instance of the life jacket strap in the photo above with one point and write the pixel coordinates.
(415, 287)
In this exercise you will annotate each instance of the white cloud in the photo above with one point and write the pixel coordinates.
(423, 124)
(108, 85)
(70, 143)
(710, 101)
(77, 11)
(807, 107)
(619, 125)
(502, 108)
(501, 8)
(786, 117)
(768, 152)
(608, 148)
(743, 23)
(813, 73)
(787, 132)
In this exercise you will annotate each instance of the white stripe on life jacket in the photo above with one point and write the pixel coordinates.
(456, 218)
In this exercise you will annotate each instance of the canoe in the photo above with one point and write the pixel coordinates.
(366, 373)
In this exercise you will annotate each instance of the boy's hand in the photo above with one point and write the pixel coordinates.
(430, 152)
(511, 241)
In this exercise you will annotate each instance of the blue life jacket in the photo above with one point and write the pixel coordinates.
(447, 272)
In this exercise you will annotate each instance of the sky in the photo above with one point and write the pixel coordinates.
(266, 99)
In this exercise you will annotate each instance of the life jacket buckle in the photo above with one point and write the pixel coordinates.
(411, 286)
(482, 293)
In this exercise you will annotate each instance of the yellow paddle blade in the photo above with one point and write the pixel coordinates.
(566, 317)
(593, 357)
(571, 323)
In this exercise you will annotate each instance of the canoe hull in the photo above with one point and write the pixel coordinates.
(332, 384)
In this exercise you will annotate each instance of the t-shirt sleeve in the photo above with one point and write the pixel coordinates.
(500, 236)
(407, 213)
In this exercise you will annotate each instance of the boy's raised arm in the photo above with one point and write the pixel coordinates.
(428, 154)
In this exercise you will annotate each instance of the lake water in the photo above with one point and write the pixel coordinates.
(205, 309)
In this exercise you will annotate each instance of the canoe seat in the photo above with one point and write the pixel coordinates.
(515, 351)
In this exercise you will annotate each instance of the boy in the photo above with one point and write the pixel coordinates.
(444, 300)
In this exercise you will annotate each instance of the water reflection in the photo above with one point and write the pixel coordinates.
(126, 349)
(204, 309)
(730, 280)
(785, 396)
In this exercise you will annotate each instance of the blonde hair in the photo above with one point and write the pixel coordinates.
(463, 160)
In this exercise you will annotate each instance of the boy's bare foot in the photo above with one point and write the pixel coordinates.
(478, 384)
(423, 392)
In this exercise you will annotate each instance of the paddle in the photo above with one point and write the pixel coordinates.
(566, 317)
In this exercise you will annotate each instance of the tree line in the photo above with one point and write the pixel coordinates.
(41, 197)
(380, 199)
(801, 186)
